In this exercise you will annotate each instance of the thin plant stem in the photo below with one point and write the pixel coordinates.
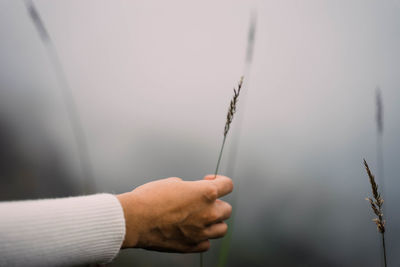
(380, 165)
(233, 151)
(380, 169)
(231, 164)
(384, 249)
(379, 137)
(219, 157)
(379, 152)
(229, 119)
(69, 101)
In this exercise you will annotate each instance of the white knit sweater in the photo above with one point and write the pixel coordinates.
(61, 232)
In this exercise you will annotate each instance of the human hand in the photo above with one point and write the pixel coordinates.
(176, 216)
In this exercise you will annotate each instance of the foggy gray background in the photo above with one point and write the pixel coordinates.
(152, 81)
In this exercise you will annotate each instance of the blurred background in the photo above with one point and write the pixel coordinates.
(103, 96)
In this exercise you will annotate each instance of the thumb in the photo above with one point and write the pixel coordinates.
(224, 184)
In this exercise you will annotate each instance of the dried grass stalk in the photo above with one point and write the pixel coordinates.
(377, 206)
(379, 138)
(229, 119)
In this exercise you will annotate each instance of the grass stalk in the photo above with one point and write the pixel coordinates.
(69, 101)
(379, 138)
(220, 156)
(233, 152)
(377, 207)
(384, 249)
(229, 119)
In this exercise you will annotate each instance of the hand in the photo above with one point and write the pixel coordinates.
(176, 216)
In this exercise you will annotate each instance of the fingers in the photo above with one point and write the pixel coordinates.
(212, 225)
(224, 208)
(223, 184)
(216, 230)
(201, 247)
(220, 211)
(202, 243)
(213, 231)
(181, 247)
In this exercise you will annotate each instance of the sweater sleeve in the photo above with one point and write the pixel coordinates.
(61, 232)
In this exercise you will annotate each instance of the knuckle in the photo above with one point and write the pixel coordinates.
(204, 218)
(211, 192)
(213, 216)
(194, 236)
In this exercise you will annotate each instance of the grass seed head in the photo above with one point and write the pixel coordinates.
(232, 107)
(377, 201)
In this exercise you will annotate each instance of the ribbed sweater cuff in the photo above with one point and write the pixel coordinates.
(65, 231)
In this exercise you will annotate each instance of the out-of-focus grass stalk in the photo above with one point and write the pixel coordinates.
(377, 208)
(379, 137)
(229, 119)
(379, 147)
(231, 163)
(69, 101)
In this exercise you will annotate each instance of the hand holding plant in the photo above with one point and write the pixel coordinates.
(172, 215)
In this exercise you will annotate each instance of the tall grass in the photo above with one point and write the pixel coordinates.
(229, 119)
(379, 136)
(377, 207)
(69, 101)
(233, 151)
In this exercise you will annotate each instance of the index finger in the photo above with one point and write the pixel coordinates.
(223, 184)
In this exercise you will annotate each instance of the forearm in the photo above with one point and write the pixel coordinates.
(164, 215)
(66, 231)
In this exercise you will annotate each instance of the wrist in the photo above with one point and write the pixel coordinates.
(127, 202)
